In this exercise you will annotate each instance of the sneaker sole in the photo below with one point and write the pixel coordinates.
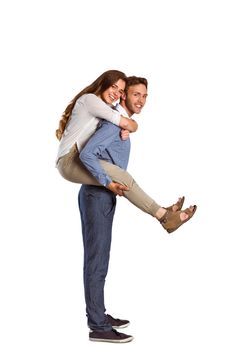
(118, 327)
(112, 340)
(123, 326)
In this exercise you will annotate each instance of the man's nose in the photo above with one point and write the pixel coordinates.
(140, 100)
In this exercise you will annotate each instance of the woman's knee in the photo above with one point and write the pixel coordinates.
(125, 179)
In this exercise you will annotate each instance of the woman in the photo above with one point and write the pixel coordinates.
(78, 124)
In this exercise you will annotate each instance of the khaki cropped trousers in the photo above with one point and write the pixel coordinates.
(72, 169)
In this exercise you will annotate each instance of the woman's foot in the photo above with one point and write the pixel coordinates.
(172, 220)
(177, 206)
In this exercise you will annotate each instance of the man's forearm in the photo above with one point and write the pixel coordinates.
(91, 162)
(92, 151)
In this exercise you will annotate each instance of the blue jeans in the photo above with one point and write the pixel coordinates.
(97, 208)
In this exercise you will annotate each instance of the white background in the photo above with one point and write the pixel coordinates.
(175, 289)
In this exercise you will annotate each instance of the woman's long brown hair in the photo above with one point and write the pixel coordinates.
(103, 82)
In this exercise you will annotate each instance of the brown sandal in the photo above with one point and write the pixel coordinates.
(171, 219)
(179, 205)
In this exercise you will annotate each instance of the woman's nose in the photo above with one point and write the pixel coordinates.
(116, 93)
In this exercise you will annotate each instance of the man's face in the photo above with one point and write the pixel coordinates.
(135, 99)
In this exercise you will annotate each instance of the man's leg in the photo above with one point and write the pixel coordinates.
(97, 208)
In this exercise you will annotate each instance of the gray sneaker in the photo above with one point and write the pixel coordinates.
(111, 336)
(116, 323)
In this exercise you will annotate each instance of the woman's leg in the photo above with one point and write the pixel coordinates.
(72, 169)
(135, 194)
(170, 220)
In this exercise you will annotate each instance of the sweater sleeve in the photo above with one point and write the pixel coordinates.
(100, 109)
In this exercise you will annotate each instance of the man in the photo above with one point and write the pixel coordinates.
(97, 208)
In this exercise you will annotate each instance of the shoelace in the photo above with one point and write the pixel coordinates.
(117, 333)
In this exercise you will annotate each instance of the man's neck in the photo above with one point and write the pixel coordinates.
(122, 103)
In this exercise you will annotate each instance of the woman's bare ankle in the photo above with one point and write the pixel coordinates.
(160, 213)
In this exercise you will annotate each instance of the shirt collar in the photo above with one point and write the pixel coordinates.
(122, 111)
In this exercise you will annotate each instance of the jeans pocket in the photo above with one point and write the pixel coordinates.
(109, 207)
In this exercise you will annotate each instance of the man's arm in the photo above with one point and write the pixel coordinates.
(93, 150)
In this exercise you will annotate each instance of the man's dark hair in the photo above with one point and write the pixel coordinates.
(133, 80)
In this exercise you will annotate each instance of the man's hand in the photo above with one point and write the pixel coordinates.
(124, 134)
(117, 188)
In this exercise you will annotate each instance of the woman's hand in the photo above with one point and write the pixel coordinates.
(117, 188)
(128, 124)
(124, 134)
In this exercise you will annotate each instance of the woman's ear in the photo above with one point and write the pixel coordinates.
(123, 96)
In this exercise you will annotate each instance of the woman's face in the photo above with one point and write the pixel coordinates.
(114, 92)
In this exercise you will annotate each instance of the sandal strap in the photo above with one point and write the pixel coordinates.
(179, 204)
(164, 218)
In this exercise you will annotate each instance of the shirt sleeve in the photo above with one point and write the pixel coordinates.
(100, 109)
(92, 151)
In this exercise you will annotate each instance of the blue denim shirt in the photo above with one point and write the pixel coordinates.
(105, 144)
